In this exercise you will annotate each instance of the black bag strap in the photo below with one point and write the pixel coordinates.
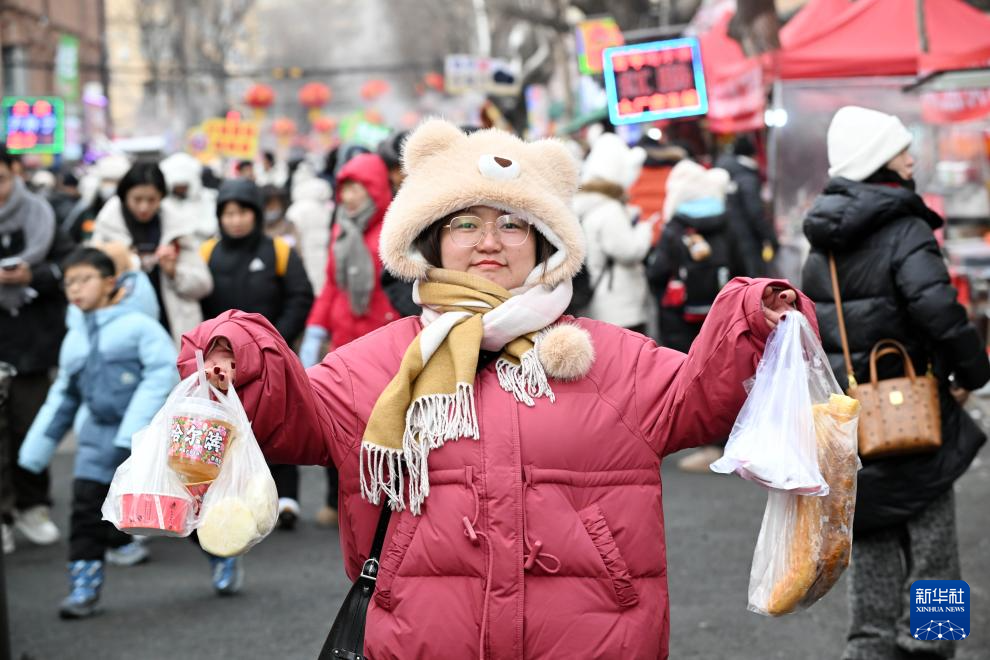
(346, 638)
(380, 531)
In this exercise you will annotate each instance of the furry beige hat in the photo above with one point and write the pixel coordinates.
(447, 170)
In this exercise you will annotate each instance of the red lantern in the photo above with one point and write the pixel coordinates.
(324, 124)
(372, 89)
(314, 95)
(259, 97)
(284, 128)
(373, 116)
(434, 80)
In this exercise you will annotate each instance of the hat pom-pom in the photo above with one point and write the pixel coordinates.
(566, 352)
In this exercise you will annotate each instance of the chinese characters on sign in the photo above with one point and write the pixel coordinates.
(34, 124)
(657, 80)
(940, 610)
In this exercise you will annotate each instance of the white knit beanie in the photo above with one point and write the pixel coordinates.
(689, 181)
(861, 141)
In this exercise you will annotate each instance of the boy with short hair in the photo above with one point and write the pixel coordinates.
(120, 363)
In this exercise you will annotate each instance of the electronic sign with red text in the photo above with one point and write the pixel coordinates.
(656, 80)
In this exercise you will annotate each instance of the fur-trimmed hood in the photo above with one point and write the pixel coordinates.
(447, 170)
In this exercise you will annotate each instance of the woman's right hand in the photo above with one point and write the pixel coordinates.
(220, 365)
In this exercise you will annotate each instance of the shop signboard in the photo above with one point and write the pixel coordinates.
(67, 68)
(471, 73)
(653, 81)
(33, 124)
(231, 136)
(592, 37)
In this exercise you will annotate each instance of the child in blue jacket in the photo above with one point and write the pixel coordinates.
(118, 362)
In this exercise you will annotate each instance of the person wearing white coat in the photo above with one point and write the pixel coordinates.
(616, 246)
(164, 241)
(310, 212)
(187, 195)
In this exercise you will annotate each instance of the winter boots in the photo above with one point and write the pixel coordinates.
(85, 581)
(228, 575)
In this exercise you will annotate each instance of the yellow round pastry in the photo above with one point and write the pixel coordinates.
(228, 528)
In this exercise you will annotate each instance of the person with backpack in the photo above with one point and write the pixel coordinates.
(695, 258)
(253, 272)
(616, 246)
(118, 362)
(752, 231)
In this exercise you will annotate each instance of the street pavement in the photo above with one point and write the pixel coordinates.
(166, 608)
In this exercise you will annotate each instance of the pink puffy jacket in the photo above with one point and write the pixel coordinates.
(543, 539)
(332, 307)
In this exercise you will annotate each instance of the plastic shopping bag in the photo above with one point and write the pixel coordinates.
(805, 540)
(773, 440)
(159, 488)
(241, 506)
(146, 496)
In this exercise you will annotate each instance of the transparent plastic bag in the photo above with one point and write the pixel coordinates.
(146, 496)
(773, 440)
(241, 506)
(805, 540)
(159, 488)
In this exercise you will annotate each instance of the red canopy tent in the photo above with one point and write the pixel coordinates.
(881, 38)
(736, 97)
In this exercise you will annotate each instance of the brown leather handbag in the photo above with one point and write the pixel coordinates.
(899, 415)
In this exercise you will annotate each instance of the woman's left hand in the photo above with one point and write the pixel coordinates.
(777, 301)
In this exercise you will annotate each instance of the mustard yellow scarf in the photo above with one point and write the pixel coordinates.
(431, 398)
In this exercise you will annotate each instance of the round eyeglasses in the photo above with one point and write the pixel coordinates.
(470, 230)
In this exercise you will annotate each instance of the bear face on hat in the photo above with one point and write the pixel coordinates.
(447, 171)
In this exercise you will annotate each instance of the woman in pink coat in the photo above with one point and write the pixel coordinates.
(519, 450)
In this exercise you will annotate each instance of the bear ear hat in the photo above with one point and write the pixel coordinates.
(558, 166)
(432, 137)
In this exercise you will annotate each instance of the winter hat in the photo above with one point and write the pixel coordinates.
(112, 168)
(314, 189)
(861, 141)
(447, 170)
(689, 181)
(242, 191)
(181, 169)
(612, 160)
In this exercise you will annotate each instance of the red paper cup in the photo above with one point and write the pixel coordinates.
(146, 513)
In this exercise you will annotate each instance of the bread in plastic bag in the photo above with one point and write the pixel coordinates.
(805, 540)
(241, 506)
(773, 440)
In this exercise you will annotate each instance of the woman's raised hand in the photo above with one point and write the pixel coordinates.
(220, 365)
(777, 301)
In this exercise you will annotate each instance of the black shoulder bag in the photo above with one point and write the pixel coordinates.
(346, 638)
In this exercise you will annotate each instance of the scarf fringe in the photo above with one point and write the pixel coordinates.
(527, 380)
(430, 421)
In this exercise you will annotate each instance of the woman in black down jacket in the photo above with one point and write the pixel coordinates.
(894, 284)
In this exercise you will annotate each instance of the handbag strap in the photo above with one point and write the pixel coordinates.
(376, 544)
(893, 347)
(842, 321)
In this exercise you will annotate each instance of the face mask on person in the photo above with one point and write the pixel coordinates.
(107, 190)
(272, 216)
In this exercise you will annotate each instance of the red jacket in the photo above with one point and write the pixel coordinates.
(332, 308)
(569, 557)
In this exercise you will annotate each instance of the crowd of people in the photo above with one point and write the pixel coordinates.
(113, 275)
